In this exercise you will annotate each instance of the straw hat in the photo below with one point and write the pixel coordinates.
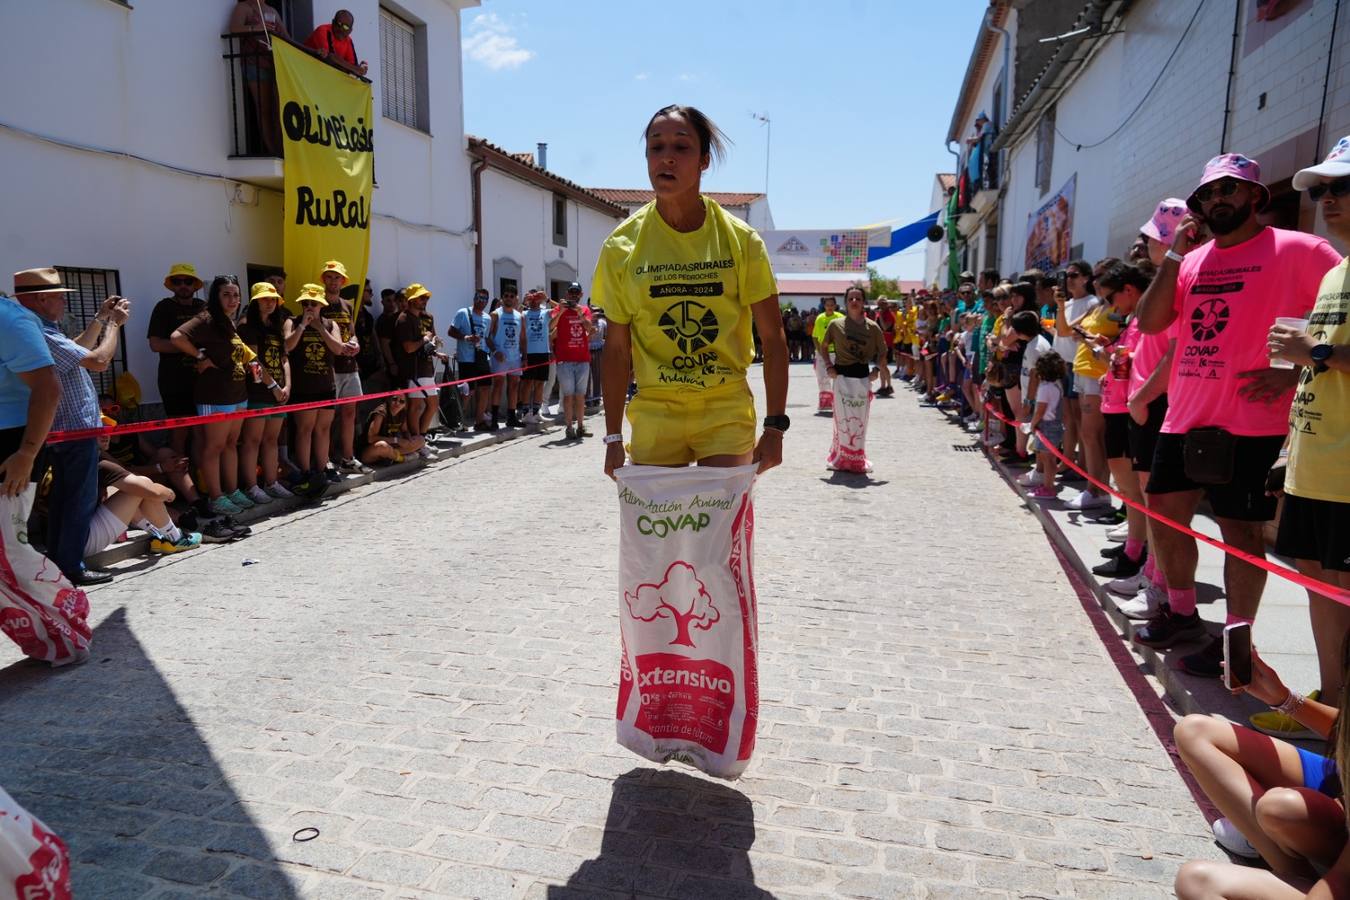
(263, 289)
(334, 266)
(415, 290)
(39, 281)
(312, 292)
(179, 269)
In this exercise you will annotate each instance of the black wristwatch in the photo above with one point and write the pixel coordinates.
(777, 423)
(1320, 354)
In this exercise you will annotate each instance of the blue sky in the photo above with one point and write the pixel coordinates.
(860, 93)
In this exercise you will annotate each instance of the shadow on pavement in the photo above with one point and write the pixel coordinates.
(105, 755)
(854, 480)
(671, 835)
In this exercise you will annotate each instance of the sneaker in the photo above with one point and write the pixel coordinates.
(532, 418)
(258, 496)
(216, 531)
(1029, 479)
(237, 531)
(1129, 585)
(1227, 836)
(1144, 607)
(582, 432)
(1170, 628)
(974, 427)
(238, 499)
(1277, 724)
(1042, 492)
(482, 427)
(1207, 663)
(1118, 533)
(312, 486)
(277, 491)
(1113, 552)
(1120, 566)
(222, 506)
(188, 540)
(350, 466)
(571, 433)
(424, 452)
(1088, 500)
(332, 475)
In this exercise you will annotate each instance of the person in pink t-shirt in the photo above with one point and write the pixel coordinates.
(1225, 296)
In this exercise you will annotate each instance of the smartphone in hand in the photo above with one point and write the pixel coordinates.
(1237, 655)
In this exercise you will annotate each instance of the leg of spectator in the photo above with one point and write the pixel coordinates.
(1330, 627)
(1177, 553)
(71, 505)
(1092, 435)
(229, 457)
(323, 431)
(429, 410)
(1304, 822)
(1235, 766)
(1243, 582)
(304, 438)
(250, 440)
(1127, 482)
(1203, 879)
(378, 453)
(1072, 421)
(346, 415)
(176, 475)
(416, 402)
(214, 436)
(1015, 403)
(269, 452)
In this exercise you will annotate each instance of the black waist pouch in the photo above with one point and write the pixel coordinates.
(1209, 455)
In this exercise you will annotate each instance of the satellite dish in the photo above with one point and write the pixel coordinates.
(935, 233)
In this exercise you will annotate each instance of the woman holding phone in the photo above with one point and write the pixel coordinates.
(312, 344)
(265, 330)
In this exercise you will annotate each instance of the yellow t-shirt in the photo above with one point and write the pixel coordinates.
(1319, 420)
(685, 296)
(1097, 321)
(822, 322)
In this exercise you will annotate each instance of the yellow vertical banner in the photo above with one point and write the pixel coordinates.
(328, 138)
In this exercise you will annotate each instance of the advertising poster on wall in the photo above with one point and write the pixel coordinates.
(1050, 230)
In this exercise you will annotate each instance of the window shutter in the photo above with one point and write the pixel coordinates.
(398, 69)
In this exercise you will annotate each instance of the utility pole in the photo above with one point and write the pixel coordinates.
(768, 141)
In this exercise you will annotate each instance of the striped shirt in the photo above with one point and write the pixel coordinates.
(78, 407)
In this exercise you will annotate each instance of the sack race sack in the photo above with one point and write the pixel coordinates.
(688, 622)
(852, 403)
(40, 610)
(825, 385)
(34, 862)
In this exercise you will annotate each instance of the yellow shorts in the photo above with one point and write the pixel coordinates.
(676, 427)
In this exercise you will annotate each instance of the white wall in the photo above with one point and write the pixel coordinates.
(150, 81)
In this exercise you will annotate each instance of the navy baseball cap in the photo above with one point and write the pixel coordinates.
(574, 286)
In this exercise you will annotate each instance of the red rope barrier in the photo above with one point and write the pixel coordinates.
(1326, 590)
(57, 437)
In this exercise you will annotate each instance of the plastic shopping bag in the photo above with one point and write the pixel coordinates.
(825, 386)
(688, 688)
(852, 402)
(40, 609)
(34, 862)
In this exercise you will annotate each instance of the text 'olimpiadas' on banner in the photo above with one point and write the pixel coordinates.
(327, 130)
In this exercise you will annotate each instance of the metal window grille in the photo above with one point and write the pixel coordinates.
(92, 287)
(398, 69)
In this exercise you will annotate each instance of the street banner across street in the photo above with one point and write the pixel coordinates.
(822, 251)
(328, 136)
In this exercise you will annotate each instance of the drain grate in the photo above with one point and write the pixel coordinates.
(966, 448)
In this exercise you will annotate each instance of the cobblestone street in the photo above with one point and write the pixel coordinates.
(425, 672)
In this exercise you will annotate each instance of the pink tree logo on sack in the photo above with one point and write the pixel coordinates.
(681, 597)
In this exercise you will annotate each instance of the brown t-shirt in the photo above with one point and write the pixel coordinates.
(413, 327)
(110, 472)
(390, 425)
(225, 380)
(177, 370)
(343, 312)
(271, 349)
(856, 343)
(311, 363)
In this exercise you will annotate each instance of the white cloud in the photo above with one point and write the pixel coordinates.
(641, 76)
(491, 43)
(685, 76)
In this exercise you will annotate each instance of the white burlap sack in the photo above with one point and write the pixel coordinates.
(688, 687)
(824, 386)
(34, 862)
(40, 609)
(852, 402)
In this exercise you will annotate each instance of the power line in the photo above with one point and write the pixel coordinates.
(1149, 93)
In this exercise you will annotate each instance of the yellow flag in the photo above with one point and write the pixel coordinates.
(328, 136)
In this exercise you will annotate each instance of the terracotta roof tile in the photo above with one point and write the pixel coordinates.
(947, 181)
(478, 146)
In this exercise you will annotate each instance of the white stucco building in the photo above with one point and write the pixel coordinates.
(752, 209)
(935, 252)
(536, 229)
(125, 153)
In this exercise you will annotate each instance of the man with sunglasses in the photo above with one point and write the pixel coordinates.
(177, 371)
(333, 42)
(1228, 409)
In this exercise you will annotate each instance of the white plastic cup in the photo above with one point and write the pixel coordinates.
(1299, 325)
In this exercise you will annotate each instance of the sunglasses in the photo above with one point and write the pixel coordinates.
(182, 281)
(1338, 188)
(341, 26)
(1226, 188)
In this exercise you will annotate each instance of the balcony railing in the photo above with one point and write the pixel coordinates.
(980, 166)
(255, 123)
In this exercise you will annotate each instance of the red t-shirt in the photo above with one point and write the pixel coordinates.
(323, 38)
(571, 344)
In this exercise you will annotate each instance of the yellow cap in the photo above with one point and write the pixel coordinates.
(180, 269)
(263, 289)
(415, 290)
(334, 266)
(312, 292)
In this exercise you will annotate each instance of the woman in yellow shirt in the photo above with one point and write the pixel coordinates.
(680, 281)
